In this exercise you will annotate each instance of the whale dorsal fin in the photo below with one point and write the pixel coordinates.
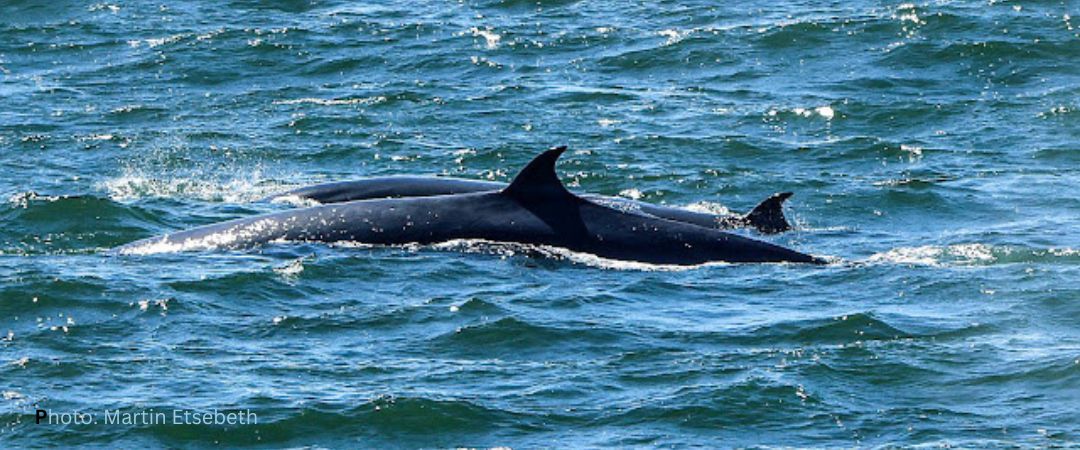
(768, 216)
(538, 179)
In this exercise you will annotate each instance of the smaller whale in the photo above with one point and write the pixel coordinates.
(533, 209)
(767, 217)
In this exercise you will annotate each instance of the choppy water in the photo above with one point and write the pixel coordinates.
(933, 148)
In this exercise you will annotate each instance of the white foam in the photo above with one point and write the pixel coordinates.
(491, 37)
(1064, 251)
(508, 249)
(295, 200)
(825, 111)
(914, 150)
(333, 101)
(244, 189)
(631, 193)
(479, 60)
(292, 269)
(23, 199)
(156, 41)
(103, 6)
(709, 208)
(674, 36)
(931, 255)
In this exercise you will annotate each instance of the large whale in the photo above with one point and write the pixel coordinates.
(767, 217)
(535, 208)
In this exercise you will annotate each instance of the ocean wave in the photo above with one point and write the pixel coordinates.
(843, 329)
(38, 303)
(509, 336)
(846, 329)
(421, 313)
(1053, 372)
(798, 34)
(762, 402)
(44, 224)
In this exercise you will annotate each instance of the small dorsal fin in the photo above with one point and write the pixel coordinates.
(538, 178)
(768, 216)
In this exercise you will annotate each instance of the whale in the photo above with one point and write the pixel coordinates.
(534, 209)
(767, 217)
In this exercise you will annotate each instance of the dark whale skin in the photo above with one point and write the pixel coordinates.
(534, 209)
(767, 217)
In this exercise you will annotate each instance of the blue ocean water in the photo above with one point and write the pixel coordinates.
(933, 149)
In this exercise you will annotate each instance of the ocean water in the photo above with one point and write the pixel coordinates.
(933, 148)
